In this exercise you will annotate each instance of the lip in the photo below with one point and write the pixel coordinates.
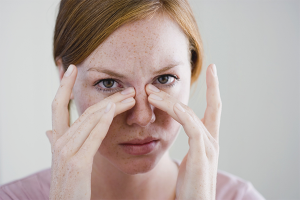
(140, 146)
(139, 141)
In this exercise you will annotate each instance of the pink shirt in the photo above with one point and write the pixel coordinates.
(37, 187)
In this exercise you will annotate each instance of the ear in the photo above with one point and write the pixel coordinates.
(61, 72)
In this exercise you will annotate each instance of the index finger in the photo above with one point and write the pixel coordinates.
(60, 113)
(212, 115)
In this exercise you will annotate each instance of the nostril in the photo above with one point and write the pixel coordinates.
(142, 113)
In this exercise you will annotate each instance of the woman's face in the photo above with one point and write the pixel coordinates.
(133, 56)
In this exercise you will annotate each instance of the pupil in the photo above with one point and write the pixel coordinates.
(108, 83)
(163, 79)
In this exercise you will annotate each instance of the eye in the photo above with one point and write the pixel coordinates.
(111, 85)
(167, 80)
(164, 79)
(107, 85)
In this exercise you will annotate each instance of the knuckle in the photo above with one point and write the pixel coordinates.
(192, 116)
(166, 95)
(188, 109)
(219, 104)
(209, 152)
(93, 117)
(74, 164)
(197, 136)
(107, 101)
(96, 136)
(58, 144)
(105, 121)
(56, 148)
(54, 104)
(214, 149)
(62, 83)
(89, 110)
(64, 154)
(90, 119)
(78, 164)
(189, 119)
(215, 143)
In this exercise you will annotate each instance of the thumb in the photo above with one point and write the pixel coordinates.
(49, 135)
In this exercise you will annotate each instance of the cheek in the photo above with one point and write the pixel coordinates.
(183, 92)
(84, 96)
(167, 126)
(164, 120)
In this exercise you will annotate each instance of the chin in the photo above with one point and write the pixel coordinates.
(138, 165)
(132, 165)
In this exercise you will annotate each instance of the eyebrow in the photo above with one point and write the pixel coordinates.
(115, 74)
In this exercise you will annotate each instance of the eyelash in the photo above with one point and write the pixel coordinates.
(113, 90)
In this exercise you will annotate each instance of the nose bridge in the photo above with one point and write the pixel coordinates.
(142, 112)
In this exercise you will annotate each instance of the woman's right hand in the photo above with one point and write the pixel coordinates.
(73, 148)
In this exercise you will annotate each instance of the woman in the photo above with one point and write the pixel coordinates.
(128, 66)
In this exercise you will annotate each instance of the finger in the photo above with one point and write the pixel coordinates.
(212, 114)
(95, 138)
(195, 134)
(124, 101)
(60, 113)
(162, 101)
(81, 134)
(211, 144)
(167, 103)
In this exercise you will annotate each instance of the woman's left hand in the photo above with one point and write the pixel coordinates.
(198, 170)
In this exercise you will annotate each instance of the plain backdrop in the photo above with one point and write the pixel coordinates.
(256, 48)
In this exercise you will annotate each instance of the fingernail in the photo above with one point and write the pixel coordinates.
(108, 107)
(153, 88)
(127, 91)
(69, 71)
(128, 100)
(179, 107)
(155, 97)
(214, 70)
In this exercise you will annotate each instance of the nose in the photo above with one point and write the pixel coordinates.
(142, 113)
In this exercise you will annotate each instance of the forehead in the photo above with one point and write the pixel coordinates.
(147, 44)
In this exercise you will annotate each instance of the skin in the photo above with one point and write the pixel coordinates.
(88, 162)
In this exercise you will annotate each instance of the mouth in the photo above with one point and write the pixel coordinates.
(139, 141)
(140, 146)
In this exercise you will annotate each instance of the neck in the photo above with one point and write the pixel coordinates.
(108, 182)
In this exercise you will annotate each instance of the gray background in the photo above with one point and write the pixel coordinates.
(256, 48)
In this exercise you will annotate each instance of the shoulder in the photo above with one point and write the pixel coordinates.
(232, 187)
(34, 186)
